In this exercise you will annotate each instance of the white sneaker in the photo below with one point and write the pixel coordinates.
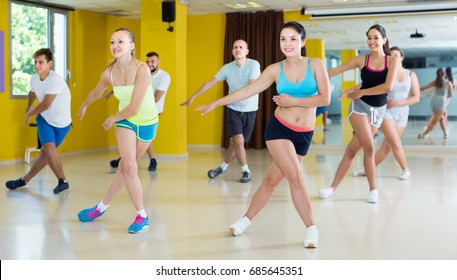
(311, 237)
(359, 172)
(422, 136)
(240, 226)
(327, 192)
(405, 174)
(373, 196)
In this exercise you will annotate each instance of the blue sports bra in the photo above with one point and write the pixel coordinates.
(306, 88)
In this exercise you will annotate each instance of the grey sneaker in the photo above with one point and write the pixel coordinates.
(213, 173)
(246, 177)
(240, 226)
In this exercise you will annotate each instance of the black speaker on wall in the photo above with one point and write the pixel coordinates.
(168, 11)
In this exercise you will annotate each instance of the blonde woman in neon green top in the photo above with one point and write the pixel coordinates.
(135, 122)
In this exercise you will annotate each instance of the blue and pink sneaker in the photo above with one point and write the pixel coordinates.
(139, 224)
(90, 214)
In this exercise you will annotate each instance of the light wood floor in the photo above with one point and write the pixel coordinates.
(189, 213)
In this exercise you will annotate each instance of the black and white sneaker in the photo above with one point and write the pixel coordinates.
(246, 177)
(213, 173)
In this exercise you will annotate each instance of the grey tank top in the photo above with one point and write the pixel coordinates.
(400, 91)
(442, 91)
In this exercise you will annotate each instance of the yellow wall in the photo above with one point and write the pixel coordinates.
(205, 46)
(193, 54)
(172, 49)
(295, 16)
(10, 140)
(88, 55)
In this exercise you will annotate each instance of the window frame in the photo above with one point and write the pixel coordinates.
(51, 12)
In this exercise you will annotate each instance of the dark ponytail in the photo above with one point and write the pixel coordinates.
(381, 30)
(300, 30)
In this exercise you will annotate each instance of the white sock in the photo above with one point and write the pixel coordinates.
(245, 168)
(224, 165)
(142, 213)
(102, 206)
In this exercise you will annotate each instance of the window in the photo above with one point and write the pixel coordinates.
(33, 27)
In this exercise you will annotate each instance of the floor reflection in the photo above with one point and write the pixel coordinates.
(335, 134)
(190, 215)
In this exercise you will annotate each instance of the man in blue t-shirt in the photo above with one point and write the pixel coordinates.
(240, 115)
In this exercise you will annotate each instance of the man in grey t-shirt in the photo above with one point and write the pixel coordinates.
(240, 115)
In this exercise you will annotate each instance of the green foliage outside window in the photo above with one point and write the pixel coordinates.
(29, 32)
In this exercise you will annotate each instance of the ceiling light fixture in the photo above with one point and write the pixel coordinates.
(383, 10)
(246, 5)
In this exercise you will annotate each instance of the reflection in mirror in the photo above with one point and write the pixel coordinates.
(437, 49)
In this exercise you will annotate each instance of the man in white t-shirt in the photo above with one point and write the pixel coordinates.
(53, 119)
(240, 115)
(160, 83)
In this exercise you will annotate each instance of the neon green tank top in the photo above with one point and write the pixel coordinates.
(147, 114)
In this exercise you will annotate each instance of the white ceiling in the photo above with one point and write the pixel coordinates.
(440, 29)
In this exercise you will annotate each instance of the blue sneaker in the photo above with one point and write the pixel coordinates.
(139, 224)
(90, 214)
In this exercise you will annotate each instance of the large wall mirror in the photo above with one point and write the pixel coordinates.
(437, 48)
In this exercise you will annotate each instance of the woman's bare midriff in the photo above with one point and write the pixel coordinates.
(297, 116)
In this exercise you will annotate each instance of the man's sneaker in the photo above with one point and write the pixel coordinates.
(14, 184)
(359, 172)
(405, 174)
(114, 163)
(152, 165)
(373, 196)
(90, 214)
(240, 226)
(62, 186)
(311, 237)
(139, 224)
(326, 192)
(246, 177)
(213, 173)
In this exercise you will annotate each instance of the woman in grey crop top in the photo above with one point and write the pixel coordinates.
(405, 92)
(443, 89)
(288, 133)
(378, 72)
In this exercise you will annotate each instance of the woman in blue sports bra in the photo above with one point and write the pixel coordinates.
(378, 72)
(303, 85)
(135, 123)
